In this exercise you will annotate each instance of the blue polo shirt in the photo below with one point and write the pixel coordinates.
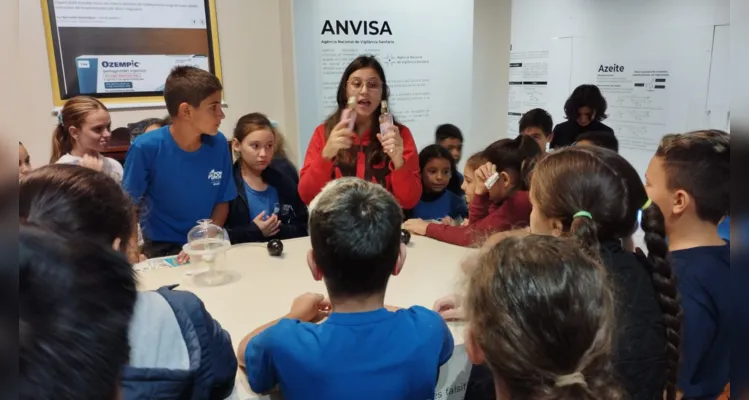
(703, 276)
(368, 355)
(175, 188)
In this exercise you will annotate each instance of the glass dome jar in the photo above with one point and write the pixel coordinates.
(207, 244)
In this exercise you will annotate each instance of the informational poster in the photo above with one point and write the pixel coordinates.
(424, 46)
(528, 89)
(121, 48)
(638, 102)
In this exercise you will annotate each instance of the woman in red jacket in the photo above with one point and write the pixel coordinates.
(389, 158)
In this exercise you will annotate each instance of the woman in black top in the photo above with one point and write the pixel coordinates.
(585, 109)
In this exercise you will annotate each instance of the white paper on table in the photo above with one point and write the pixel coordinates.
(454, 375)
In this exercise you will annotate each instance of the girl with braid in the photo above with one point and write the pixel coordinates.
(688, 183)
(593, 195)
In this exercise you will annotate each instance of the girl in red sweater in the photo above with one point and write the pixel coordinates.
(505, 206)
(389, 158)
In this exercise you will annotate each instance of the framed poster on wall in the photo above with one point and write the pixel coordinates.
(121, 51)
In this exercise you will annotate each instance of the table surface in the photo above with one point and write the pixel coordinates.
(264, 286)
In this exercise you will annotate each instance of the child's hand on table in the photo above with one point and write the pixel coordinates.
(310, 307)
(450, 307)
(183, 258)
(416, 226)
(447, 220)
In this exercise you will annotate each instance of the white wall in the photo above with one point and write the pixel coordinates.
(256, 53)
(676, 34)
(491, 66)
(258, 69)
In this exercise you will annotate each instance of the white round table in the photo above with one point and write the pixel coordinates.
(265, 286)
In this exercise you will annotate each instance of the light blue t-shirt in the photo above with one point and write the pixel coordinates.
(368, 355)
(266, 200)
(175, 188)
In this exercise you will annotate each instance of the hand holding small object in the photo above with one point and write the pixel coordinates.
(310, 307)
(341, 137)
(482, 176)
(450, 307)
(392, 144)
(416, 226)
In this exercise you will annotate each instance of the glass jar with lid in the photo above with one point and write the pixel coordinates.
(207, 244)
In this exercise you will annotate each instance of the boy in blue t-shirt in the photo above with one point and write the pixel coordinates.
(363, 350)
(181, 173)
(688, 180)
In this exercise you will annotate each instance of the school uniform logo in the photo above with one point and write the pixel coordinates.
(215, 177)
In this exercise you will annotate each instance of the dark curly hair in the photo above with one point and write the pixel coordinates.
(586, 96)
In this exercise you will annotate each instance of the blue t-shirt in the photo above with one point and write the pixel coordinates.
(368, 355)
(175, 188)
(703, 277)
(267, 201)
(447, 204)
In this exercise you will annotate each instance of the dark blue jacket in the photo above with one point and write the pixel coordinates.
(284, 165)
(213, 365)
(293, 212)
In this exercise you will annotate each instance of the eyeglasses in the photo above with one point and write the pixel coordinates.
(372, 84)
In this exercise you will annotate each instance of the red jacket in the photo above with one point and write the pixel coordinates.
(484, 219)
(403, 183)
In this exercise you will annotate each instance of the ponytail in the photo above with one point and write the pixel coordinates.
(584, 230)
(72, 114)
(664, 282)
(62, 143)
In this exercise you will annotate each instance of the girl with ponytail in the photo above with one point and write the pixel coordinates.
(503, 206)
(593, 195)
(83, 131)
(688, 183)
(540, 316)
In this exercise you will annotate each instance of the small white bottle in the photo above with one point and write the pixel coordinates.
(490, 181)
(350, 112)
(386, 119)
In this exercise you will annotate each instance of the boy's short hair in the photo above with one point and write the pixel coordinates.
(603, 139)
(76, 299)
(447, 131)
(191, 85)
(355, 230)
(537, 118)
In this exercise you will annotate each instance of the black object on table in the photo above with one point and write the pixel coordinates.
(275, 247)
(405, 236)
